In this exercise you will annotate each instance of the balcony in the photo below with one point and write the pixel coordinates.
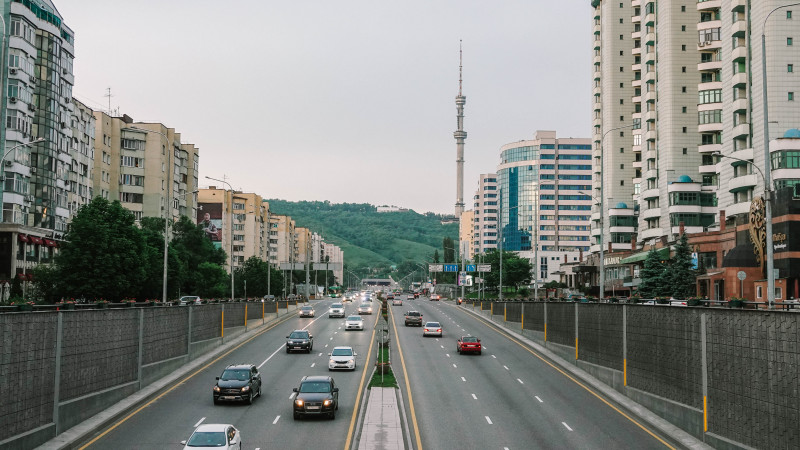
(710, 25)
(708, 5)
(741, 130)
(597, 29)
(637, 164)
(742, 183)
(636, 67)
(636, 83)
(637, 99)
(636, 34)
(709, 148)
(739, 53)
(738, 208)
(711, 65)
(649, 38)
(622, 229)
(739, 80)
(739, 28)
(740, 105)
(738, 5)
(746, 154)
(709, 127)
(710, 168)
(651, 193)
(650, 233)
(649, 20)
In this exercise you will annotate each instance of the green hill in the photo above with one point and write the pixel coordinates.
(369, 238)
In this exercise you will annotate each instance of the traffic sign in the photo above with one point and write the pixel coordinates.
(434, 267)
(451, 267)
(485, 268)
(469, 268)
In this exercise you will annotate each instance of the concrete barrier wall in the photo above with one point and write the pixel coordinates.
(735, 370)
(60, 368)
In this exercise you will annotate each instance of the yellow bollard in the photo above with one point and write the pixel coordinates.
(245, 315)
(522, 322)
(223, 323)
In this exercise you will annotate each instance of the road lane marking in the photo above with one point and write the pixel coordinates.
(488, 419)
(475, 397)
(441, 346)
(291, 396)
(506, 367)
(513, 339)
(540, 400)
(314, 364)
(493, 356)
(320, 354)
(455, 366)
(199, 422)
(448, 354)
(408, 390)
(360, 389)
(565, 424)
(174, 386)
(273, 354)
(276, 420)
(520, 381)
(326, 345)
(463, 379)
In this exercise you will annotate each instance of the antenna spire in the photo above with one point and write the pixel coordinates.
(459, 67)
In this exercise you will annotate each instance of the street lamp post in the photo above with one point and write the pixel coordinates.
(602, 211)
(767, 163)
(231, 225)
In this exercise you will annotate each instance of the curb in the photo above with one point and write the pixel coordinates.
(80, 434)
(670, 432)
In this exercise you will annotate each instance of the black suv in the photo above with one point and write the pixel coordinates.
(239, 382)
(300, 340)
(317, 395)
(413, 318)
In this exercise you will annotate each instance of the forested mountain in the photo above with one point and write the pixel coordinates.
(367, 237)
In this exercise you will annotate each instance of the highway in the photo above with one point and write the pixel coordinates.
(506, 398)
(268, 422)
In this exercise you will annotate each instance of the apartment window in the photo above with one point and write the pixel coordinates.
(621, 101)
(791, 96)
(789, 14)
(710, 96)
(683, 28)
(790, 68)
(621, 84)
(684, 150)
(621, 118)
(621, 37)
(683, 89)
(622, 150)
(684, 130)
(620, 20)
(683, 8)
(622, 166)
(622, 53)
(683, 110)
(622, 182)
(683, 49)
(621, 69)
(788, 41)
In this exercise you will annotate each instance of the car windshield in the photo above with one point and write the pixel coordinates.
(352, 318)
(299, 335)
(470, 339)
(315, 386)
(235, 374)
(336, 305)
(208, 439)
(432, 324)
(306, 308)
(342, 352)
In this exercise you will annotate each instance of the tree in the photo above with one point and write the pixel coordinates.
(212, 281)
(254, 272)
(651, 285)
(516, 270)
(192, 248)
(102, 255)
(682, 276)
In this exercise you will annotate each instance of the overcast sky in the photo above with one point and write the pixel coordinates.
(347, 101)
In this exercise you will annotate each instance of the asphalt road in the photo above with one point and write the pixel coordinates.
(268, 422)
(506, 398)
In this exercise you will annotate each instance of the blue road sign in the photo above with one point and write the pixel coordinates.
(470, 268)
(451, 267)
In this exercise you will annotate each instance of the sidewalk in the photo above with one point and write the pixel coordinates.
(382, 428)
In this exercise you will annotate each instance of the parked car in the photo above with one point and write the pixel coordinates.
(299, 340)
(238, 383)
(306, 311)
(316, 395)
(413, 318)
(189, 299)
(432, 329)
(214, 436)
(342, 358)
(365, 308)
(468, 344)
(354, 323)
(336, 310)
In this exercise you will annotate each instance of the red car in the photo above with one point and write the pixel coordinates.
(468, 344)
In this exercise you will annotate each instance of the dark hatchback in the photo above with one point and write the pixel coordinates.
(316, 396)
(299, 340)
(238, 383)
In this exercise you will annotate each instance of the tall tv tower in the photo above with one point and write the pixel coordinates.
(460, 136)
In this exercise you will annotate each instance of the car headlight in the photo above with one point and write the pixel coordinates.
(216, 388)
(327, 402)
(298, 402)
(246, 388)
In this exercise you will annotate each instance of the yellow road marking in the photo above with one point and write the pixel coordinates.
(408, 388)
(123, 420)
(358, 392)
(558, 369)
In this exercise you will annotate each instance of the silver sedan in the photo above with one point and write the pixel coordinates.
(432, 329)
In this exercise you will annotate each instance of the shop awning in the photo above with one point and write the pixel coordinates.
(663, 253)
(22, 237)
(35, 239)
(709, 275)
(49, 243)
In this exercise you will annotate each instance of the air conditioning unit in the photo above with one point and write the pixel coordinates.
(32, 78)
(31, 107)
(9, 163)
(63, 124)
(33, 169)
(29, 198)
(64, 71)
(13, 99)
(12, 71)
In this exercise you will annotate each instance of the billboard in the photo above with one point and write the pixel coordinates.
(209, 216)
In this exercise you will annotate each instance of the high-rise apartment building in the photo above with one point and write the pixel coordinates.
(144, 165)
(79, 170)
(465, 227)
(484, 221)
(544, 185)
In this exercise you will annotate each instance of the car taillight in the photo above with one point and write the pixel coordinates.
(439, 329)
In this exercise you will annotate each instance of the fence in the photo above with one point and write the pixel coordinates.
(58, 368)
(728, 376)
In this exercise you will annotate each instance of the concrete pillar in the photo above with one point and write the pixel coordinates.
(57, 371)
(141, 348)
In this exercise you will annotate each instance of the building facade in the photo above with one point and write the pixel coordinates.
(545, 205)
(485, 207)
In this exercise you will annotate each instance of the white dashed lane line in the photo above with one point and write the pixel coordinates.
(520, 381)
(540, 400)
(565, 424)
(463, 379)
(455, 366)
(199, 422)
(490, 420)
(320, 354)
(448, 354)
(493, 356)
(276, 420)
(474, 396)
(506, 367)
(314, 364)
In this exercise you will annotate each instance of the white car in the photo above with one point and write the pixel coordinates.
(432, 329)
(397, 301)
(342, 358)
(354, 323)
(307, 311)
(214, 436)
(336, 310)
